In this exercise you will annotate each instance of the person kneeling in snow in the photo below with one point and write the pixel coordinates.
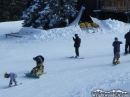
(12, 78)
(39, 69)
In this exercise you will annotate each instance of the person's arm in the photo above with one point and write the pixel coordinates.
(73, 38)
(125, 35)
(120, 42)
(113, 44)
(10, 82)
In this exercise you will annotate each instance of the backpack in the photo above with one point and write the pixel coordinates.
(79, 40)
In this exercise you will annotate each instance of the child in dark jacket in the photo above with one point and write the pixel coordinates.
(116, 50)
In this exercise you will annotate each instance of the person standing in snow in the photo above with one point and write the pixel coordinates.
(12, 78)
(116, 50)
(77, 42)
(39, 68)
(127, 43)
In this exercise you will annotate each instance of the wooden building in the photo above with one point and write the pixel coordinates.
(116, 9)
(104, 9)
(120, 6)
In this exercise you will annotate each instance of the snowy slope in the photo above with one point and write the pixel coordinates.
(65, 77)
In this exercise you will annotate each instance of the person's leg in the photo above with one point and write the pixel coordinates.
(114, 58)
(77, 51)
(118, 56)
(126, 48)
(129, 48)
(33, 71)
(10, 83)
(15, 81)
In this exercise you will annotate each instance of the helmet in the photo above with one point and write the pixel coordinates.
(6, 75)
(39, 59)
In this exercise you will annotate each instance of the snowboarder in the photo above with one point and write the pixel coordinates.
(77, 42)
(116, 50)
(127, 43)
(12, 78)
(39, 68)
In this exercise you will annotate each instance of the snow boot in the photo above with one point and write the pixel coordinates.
(117, 62)
(114, 62)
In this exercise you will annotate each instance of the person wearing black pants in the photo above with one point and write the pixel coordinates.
(77, 42)
(116, 50)
(127, 43)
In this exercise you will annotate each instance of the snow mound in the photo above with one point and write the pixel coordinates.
(106, 26)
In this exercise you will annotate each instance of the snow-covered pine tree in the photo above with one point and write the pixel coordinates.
(45, 14)
(48, 17)
(30, 15)
(55, 16)
(69, 10)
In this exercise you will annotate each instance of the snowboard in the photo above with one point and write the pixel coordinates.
(13, 86)
(73, 57)
(33, 75)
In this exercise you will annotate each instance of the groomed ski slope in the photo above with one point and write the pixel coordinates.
(65, 77)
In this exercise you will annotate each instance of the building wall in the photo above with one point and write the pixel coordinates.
(91, 5)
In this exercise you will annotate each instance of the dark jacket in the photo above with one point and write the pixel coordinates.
(116, 45)
(127, 37)
(77, 41)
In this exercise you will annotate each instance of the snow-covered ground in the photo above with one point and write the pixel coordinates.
(65, 77)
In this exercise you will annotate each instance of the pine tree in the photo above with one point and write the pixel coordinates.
(45, 14)
(50, 16)
(11, 9)
(69, 10)
(30, 15)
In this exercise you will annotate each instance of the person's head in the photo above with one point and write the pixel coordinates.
(76, 35)
(116, 39)
(39, 59)
(6, 75)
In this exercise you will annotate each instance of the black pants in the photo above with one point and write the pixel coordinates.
(77, 51)
(126, 48)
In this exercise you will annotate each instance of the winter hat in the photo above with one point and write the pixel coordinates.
(116, 38)
(76, 34)
(6, 75)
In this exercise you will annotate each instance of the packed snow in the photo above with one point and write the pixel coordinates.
(65, 77)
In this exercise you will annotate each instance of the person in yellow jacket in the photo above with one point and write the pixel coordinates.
(38, 70)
